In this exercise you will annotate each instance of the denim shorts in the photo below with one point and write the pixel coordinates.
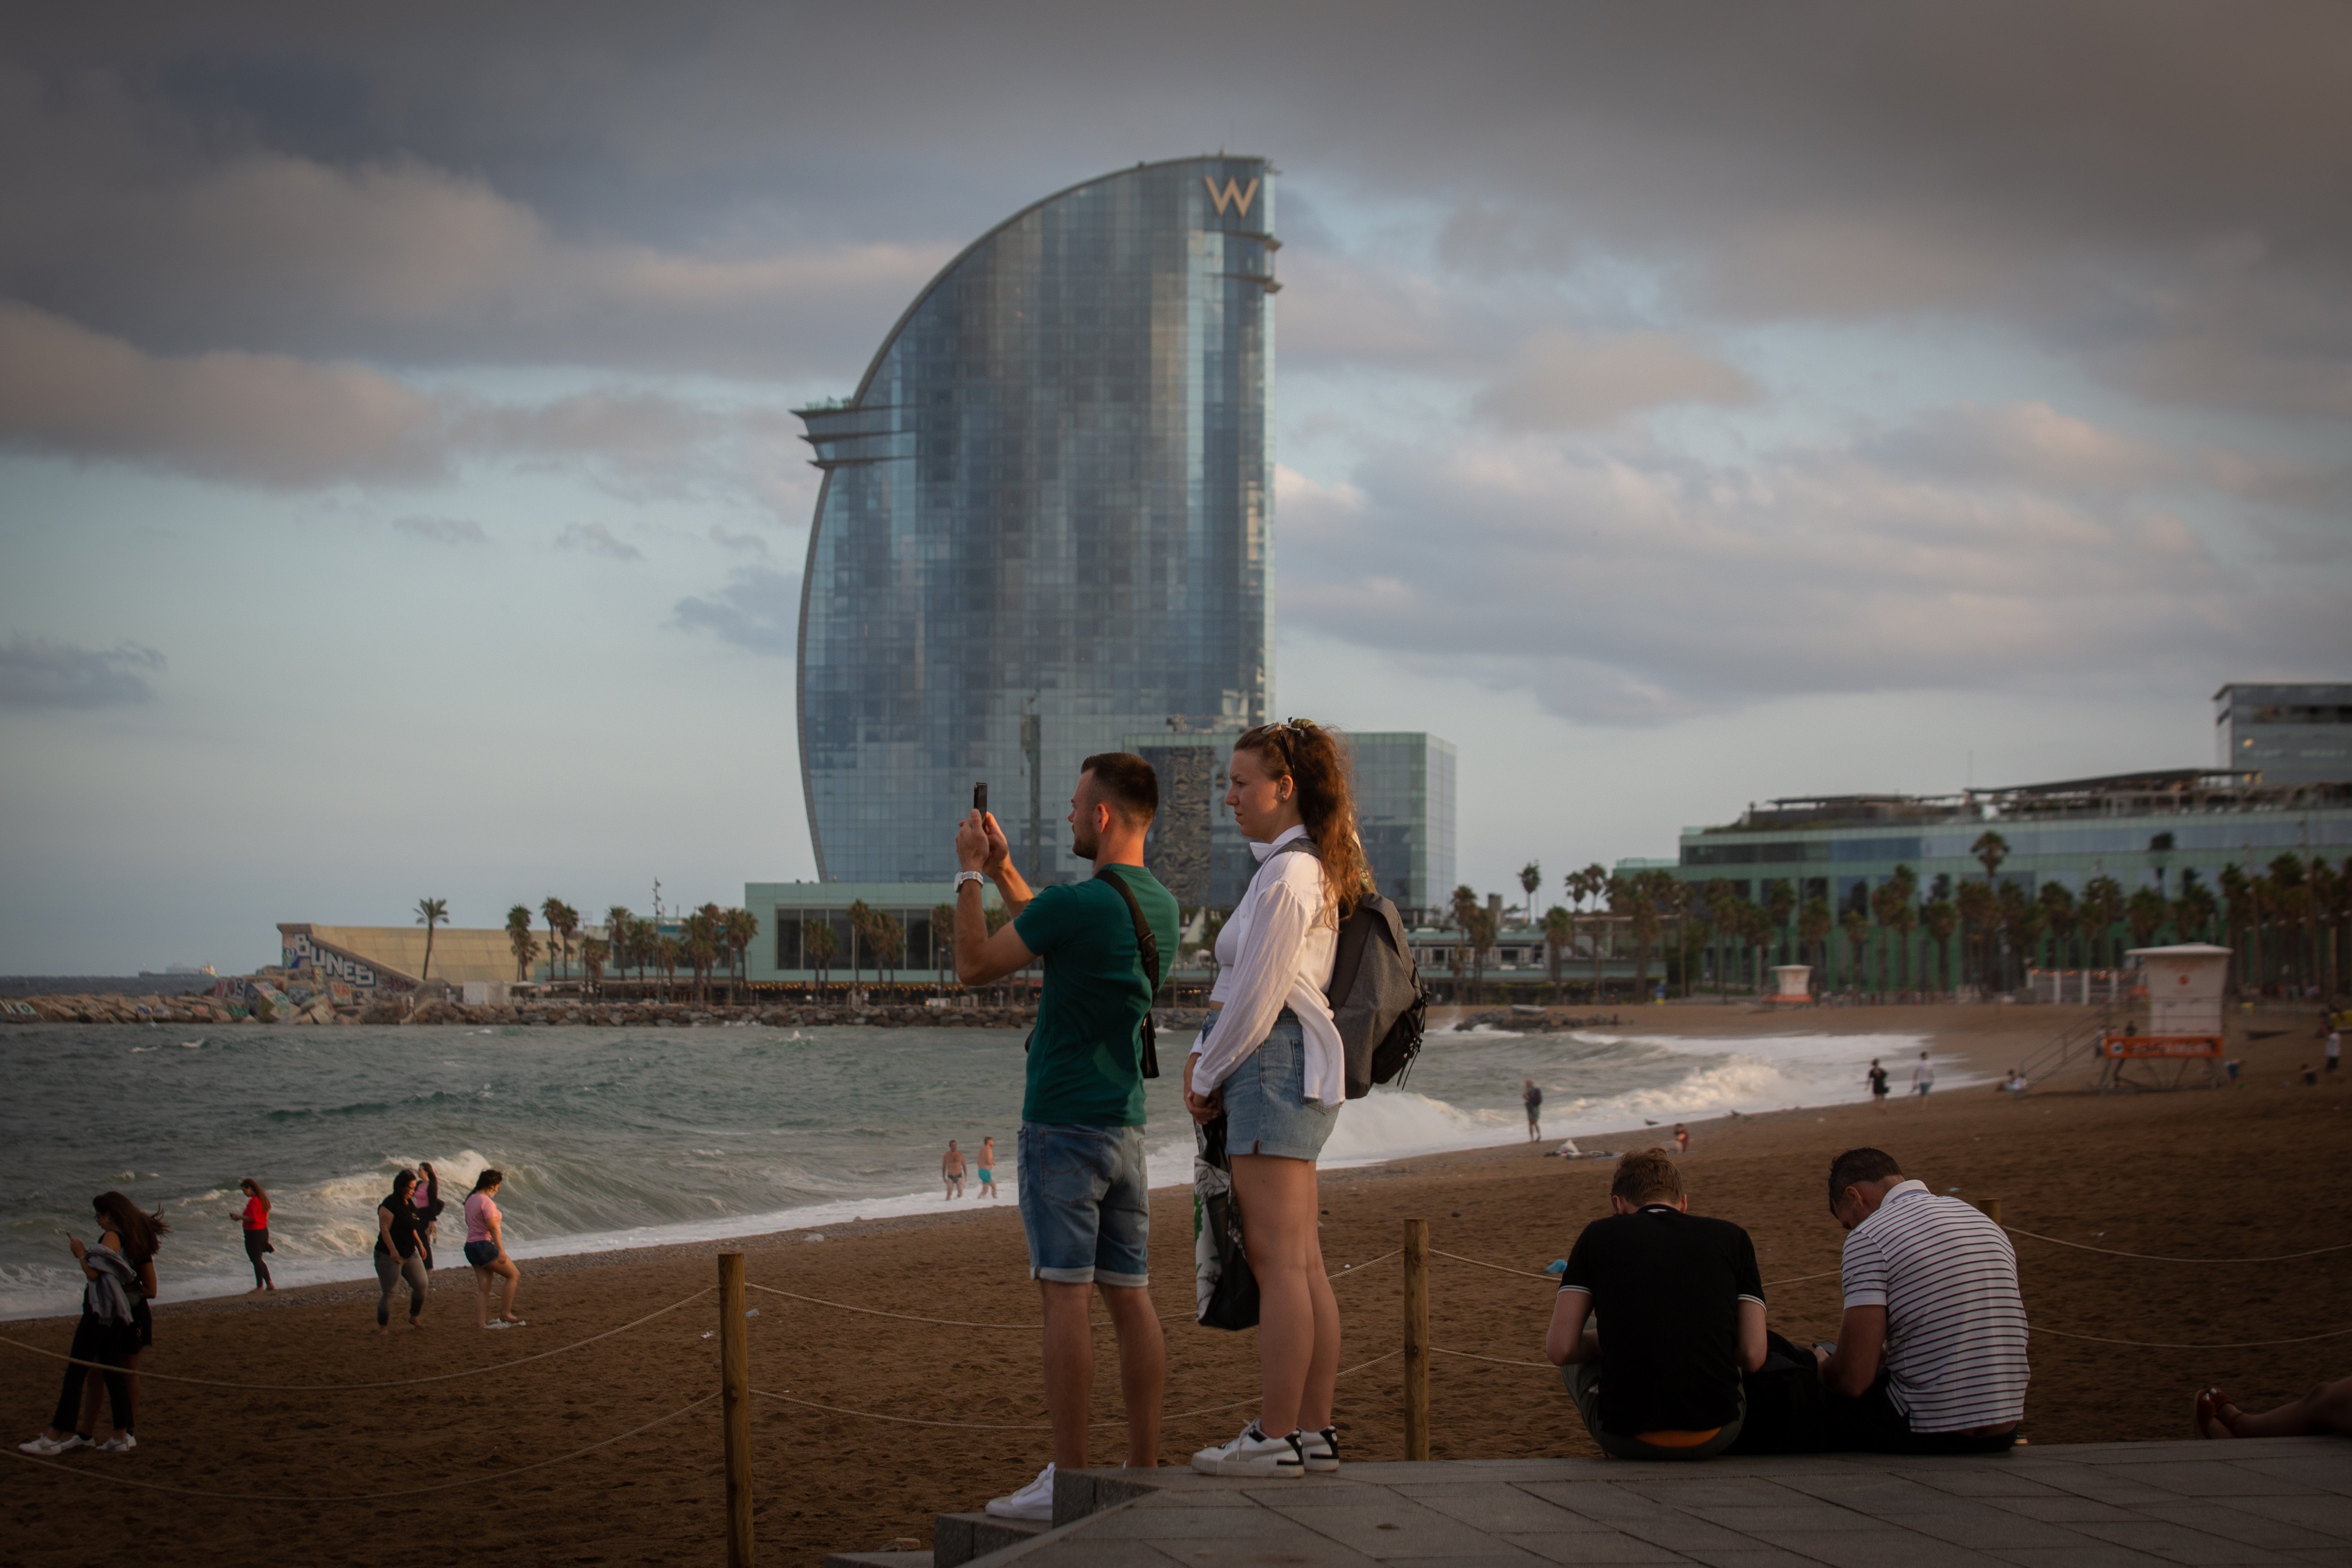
(1267, 1108)
(1085, 1204)
(481, 1254)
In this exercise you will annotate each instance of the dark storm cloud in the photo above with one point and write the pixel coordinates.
(2157, 187)
(42, 672)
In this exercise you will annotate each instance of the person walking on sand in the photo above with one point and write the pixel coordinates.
(951, 1170)
(398, 1254)
(1877, 1085)
(119, 1271)
(426, 1199)
(1084, 1192)
(486, 1253)
(1923, 1076)
(1270, 1061)
(987, 1168)
(2333, 1050)
(1682, 1139)
(254, 1219)
(1532, 1098)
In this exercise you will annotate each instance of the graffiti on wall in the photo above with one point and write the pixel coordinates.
(297, 949)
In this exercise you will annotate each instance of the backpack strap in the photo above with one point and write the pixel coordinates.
(1147, 946)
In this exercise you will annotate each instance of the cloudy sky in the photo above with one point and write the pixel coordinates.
(1679, 405)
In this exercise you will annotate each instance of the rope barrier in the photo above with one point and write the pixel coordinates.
(1498, 1361)
(113, 1476)
(2155, 1344)
(1031, 1426)
(2153, 1257)
(335, 1387)
(1527, 1274)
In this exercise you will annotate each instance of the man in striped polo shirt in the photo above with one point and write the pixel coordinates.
(1930, 1355)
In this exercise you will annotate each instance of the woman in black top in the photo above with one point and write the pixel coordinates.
(115, 1324)
(425, 1197)
(398, 1254)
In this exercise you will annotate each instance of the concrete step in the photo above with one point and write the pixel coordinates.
(878, 1560)
(958, 1538)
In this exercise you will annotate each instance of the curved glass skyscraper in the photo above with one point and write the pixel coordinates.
(1045, 519)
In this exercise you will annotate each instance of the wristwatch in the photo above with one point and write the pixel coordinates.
(965, 876)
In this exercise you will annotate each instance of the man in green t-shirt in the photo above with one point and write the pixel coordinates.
(1085, 1198)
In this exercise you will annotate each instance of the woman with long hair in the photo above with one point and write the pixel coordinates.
(399, 1255)
(425, 1197)
(1271, 1062)
(254, 1219)
(115, 1323)
(485, 1249)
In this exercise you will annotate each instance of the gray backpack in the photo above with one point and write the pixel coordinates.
(1378, 998)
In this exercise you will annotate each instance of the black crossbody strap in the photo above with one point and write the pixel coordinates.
(1147, 945)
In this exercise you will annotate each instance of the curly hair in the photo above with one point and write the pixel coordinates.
(1317, 762)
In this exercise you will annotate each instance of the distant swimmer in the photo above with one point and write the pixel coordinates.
(1532, 1098)
(951, 1170)
(988, 1167)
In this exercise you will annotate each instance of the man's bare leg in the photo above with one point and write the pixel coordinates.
(1142, 1369)
(1069, 1369)
(2327, 1409)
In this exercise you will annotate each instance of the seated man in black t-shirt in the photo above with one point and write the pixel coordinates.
(1683, 1306)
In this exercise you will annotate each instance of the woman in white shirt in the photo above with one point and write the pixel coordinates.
(1271, 1062)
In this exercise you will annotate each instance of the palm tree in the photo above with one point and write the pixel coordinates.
(1779, 904)
(861, 938)
(1991, 849)
(1941, 918)
(430, 912)
(593, 953)
(518, 937)
(942, 942)
(2102, 904)
(1975, 909)
(551, 909)
(1857, 926)
(2060, 911)
(1559, 930)
(819, 947)
(1632, 898)
(889, 945)
(2194, 910)
(2023, 922)
(667, 951)
(1530, 879)
(617, 921)
(2146, 911)
(1481, 932)
(742, 930)
(1814, 931)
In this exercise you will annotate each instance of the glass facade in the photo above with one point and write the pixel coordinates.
(1404, 812)
(2289, 734)
(1045, 520)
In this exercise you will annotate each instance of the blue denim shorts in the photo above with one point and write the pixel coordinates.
(1086, 1204)
(1267, 1108)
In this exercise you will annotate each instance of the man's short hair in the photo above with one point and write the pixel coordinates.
(1647, 1176)
(1127, 782)
(1858, 1167)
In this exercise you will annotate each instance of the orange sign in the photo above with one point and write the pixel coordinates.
(2137, 1046)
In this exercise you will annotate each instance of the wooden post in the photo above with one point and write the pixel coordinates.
(735, 1407)
(1990, 1206)
(1416, 1338)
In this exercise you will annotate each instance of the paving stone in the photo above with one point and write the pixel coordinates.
(2215, 1479)
(1815, 1515)
(2233, 1521)
(1750, 1556)
(1182, 1522)
(1986, 1482)
(1877, 1547)
(1498, 1508)
(1685, 1533)
(1078, 1552)
(1732, 1491)
(1870, 1494)
(2178, 1545)
(1398, 1527)
(2091, 1555)
(2310, 1473)
(1591, 1549)
(1992, 1530)
(2331, 1516)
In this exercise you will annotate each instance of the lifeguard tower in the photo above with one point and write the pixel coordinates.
(2176, 1019)
(1791, 984)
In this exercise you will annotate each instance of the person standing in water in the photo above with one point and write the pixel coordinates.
(485, 1251)
(988, 1167)
(1877, 1085)
(951, 1170)
(398, 1254)
(255, 1218)
(1532, 1098)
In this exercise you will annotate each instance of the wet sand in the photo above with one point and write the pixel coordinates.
(2252, 1171)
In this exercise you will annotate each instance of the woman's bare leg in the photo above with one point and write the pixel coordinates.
(481, 1297)
(2327, 1409)
(507, 1271)
(1298, 1318)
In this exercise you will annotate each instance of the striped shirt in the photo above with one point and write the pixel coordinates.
(1955, 1324)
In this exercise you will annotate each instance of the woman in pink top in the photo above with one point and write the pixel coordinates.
(485, 1249)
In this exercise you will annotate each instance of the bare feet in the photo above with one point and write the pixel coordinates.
(2216, 1417)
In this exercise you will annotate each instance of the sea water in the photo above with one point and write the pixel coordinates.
(629, 1137)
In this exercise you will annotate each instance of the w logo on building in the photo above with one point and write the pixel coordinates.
(1234, 194)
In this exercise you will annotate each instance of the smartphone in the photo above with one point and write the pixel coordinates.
(979, 798)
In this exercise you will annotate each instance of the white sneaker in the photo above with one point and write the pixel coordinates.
(121, 1444)
(1320, 1450)
(1253, 1454)
(1034, 1500)
(49, 1447)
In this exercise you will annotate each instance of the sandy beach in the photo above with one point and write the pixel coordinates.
(2253, 1171)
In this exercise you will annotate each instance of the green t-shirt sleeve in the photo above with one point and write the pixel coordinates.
(1049, 920)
